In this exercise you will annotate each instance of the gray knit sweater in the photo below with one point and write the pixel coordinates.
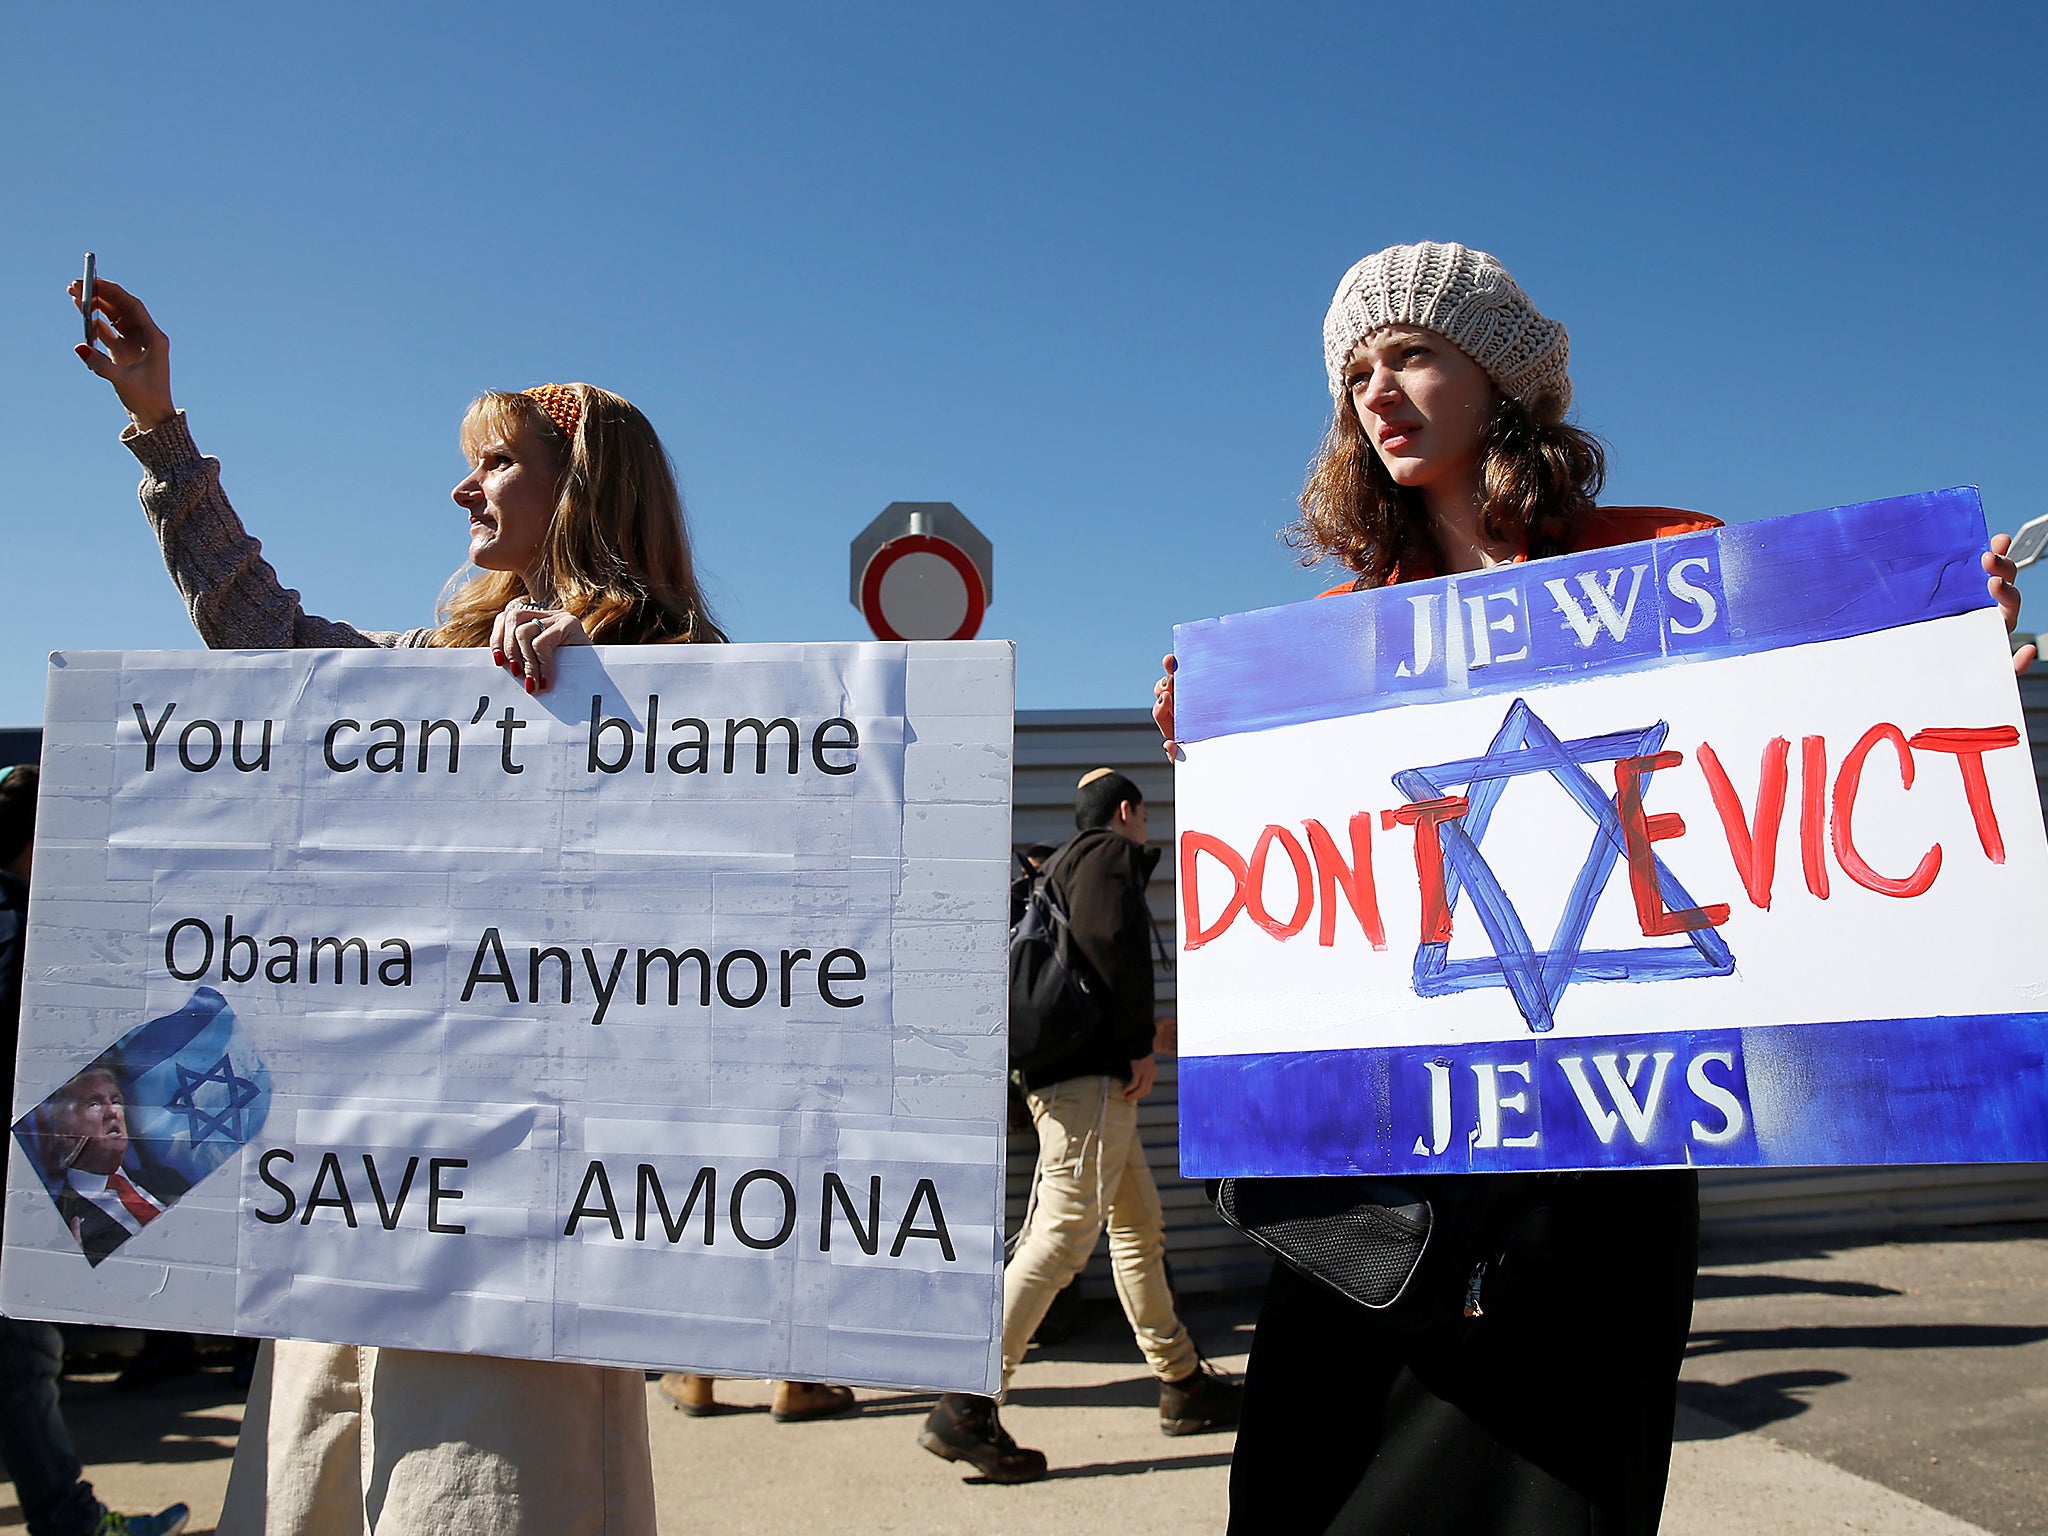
(235, 599)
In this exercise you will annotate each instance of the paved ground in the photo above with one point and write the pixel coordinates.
(1898, 1389)
(1919, 1366)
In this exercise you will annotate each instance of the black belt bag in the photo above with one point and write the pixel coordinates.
(1409, 1251)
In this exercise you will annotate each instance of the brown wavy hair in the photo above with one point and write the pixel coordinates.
(617, 553)
(1541, 476)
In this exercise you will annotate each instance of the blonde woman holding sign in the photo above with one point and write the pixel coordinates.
(577, 534)
(1534, 1395)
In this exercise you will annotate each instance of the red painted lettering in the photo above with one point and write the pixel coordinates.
(1752, 844)
(1191, 845)
(1355, 880)
(1969, 747)
(1813, 796)
(1255, 884)
(1638, 832)
(1425, 816)
(1854, 865)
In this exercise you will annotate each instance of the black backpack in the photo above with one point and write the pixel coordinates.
(1056, 999)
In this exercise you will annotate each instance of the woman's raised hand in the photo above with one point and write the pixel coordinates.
(525, 636)
(1162, 704)
(2002, 573)
(137, 361)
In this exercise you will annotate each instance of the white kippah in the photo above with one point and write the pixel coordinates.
(1463, 295)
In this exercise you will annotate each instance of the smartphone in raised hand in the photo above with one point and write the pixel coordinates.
(85, 296)
(2029, 544)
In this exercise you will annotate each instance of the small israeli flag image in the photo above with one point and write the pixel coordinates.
(199, 1091)
(149, 1117)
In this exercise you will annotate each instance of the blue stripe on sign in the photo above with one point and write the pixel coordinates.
(1755, 587)
(1931, 1090)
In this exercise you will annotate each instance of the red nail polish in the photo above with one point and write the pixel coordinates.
(497, 657)
(529, 685)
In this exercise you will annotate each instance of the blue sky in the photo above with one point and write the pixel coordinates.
(1063, 266)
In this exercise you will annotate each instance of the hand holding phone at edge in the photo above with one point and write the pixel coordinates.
(2002, 573)
(137, 361)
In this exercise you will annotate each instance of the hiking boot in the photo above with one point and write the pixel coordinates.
(965, 1428)
(1200, 1401)
(166, 1522)
(692, 1394)
(795, 1401)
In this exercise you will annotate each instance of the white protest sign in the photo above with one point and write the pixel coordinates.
(654, 1021)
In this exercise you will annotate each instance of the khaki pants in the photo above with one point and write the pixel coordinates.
(341, 1441)
(1092, 1170)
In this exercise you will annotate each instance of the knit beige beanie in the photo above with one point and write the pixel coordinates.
(1463, 295)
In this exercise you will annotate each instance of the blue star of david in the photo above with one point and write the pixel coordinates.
(225, 1122)
(1537, 978)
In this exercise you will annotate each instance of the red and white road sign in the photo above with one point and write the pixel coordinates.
(921, 587)
(922, 571)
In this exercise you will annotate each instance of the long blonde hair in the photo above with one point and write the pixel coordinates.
(617, 553)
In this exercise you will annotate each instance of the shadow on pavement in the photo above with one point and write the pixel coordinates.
(1745, 1405)
(1714, 1287)
(1141, 1391)
(1744, 1248)
(1092, 1346)
(168, 1424)
(1130, 1392)
(904, 1405)
(1138, 1468)
(1723, 1341)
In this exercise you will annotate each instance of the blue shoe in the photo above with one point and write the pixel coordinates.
(167, 1522)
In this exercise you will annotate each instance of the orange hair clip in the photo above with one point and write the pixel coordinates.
(559, 403)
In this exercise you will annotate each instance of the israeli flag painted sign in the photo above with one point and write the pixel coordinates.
(1717, 849)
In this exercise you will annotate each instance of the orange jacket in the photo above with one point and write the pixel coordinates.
(1607, 526)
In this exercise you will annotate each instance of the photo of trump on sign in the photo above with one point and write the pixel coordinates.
(126, 1137)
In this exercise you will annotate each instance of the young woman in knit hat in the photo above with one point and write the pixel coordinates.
(577, 532)
(1449, 451)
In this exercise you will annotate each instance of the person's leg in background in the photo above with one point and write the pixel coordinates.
(49, 1484)
(1068, 1194)
(1192, 1399)
(33, 1440)
(1060, 1228)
